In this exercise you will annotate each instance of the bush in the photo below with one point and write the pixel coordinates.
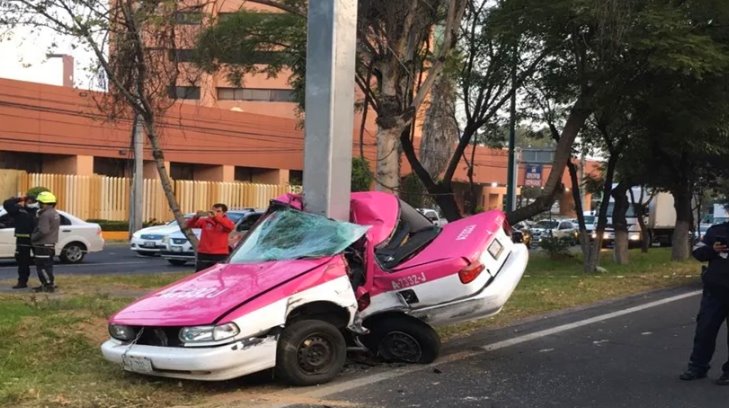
(557, 248)
(109, 225)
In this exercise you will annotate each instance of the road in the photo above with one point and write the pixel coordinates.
(116, 258)
(623, 354)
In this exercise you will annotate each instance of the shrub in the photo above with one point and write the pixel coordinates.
(557, 248)
(109, 225)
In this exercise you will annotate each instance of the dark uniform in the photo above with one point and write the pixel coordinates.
(714, 308)
(23, 219)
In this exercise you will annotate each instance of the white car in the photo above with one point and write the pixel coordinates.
(76, 237)
(433, 216)
(149, 241)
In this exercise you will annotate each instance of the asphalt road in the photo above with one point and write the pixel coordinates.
(116, 258)
(614, 355)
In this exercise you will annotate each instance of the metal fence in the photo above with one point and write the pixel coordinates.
(107, 198)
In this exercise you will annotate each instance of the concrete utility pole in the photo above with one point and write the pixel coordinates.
(136, 209)
(511, 175)
(331, 47)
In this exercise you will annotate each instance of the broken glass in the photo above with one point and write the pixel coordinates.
(290, 234)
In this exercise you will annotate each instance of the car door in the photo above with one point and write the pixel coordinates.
(7, 238)
(65, 232)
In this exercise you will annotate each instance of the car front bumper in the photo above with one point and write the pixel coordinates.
(200, 363)
(486, 302)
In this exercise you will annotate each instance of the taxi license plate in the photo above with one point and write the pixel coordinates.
(136, 364)
(176, 249)
(148, 244)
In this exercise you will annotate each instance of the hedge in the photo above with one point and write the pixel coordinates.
(109, 225)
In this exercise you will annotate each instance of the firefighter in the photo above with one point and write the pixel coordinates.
(44, 239)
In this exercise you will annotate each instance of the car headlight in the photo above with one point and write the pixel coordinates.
(201, 334)
(634, 237)
(122, 332)
(594, 235)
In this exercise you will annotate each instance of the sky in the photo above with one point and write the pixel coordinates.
(24, 59)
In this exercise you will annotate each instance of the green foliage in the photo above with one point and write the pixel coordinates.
(556, 247)
(250, 42)
(109, 225)
(34, 191)
(361, 175)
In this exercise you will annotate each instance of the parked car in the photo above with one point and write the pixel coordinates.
(76, 237)
(556, 229)
(178, 249)
(433, 216)
(150, 241)
(299, 282)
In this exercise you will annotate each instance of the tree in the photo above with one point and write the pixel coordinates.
(138, 37)
(396, 65)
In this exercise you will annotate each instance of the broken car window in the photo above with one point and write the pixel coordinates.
(291, 234)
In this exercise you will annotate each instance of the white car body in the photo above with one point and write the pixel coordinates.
(76, 237)
(433, 216)
(149, 241)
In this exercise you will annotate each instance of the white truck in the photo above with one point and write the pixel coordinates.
(659, 218)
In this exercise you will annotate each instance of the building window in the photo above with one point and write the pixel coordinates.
(182, 55)
(184, 92)
(188, 17)
(257, 95)
(257, 57)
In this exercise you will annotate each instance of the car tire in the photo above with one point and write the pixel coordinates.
(73, 253)
(310, 352)
(402, 338)
(176, 262)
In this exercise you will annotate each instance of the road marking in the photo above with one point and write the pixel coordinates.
(574, 325)
(327, 390)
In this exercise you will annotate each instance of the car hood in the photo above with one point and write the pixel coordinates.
(158, 230)
(179, 234)
(203, 298)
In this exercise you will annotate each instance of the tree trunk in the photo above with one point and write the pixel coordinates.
(593, 260)
(388, 161)
(164, 177)
(579, 113)
(684, 219)
(620, 223)
(440, 130)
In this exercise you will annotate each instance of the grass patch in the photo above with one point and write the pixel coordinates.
(50, 348)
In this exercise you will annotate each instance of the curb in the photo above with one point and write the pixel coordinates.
(115, 235)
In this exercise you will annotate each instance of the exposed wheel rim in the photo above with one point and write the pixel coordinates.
(401, 346)
(73, 253)
(315, 354)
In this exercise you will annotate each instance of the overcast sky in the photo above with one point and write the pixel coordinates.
(24, 59)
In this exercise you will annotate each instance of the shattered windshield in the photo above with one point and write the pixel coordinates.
(290, 234)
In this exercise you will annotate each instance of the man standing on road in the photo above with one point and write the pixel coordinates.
(213, 245)
(44, 239)
(714, 308)
(21, 213)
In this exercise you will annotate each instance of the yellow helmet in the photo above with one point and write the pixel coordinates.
(46, 197)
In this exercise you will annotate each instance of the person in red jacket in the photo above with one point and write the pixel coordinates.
(213, 245)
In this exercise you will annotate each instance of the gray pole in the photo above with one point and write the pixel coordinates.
(511, 175)
(330, 58)
(136, 209)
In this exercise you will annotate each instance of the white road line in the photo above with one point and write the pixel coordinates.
(327, 390)
(570, 326)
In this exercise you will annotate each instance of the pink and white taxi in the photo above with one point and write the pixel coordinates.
(300, 288)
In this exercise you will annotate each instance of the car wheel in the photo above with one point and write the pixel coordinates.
(73, 253)
(310, 352)
(401, 338)
(176, 262)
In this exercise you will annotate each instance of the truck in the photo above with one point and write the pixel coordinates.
(659, 216)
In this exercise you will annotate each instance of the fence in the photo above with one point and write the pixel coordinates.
(102, 197)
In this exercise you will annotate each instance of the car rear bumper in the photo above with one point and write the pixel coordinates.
(204, 363)
(486, 302)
